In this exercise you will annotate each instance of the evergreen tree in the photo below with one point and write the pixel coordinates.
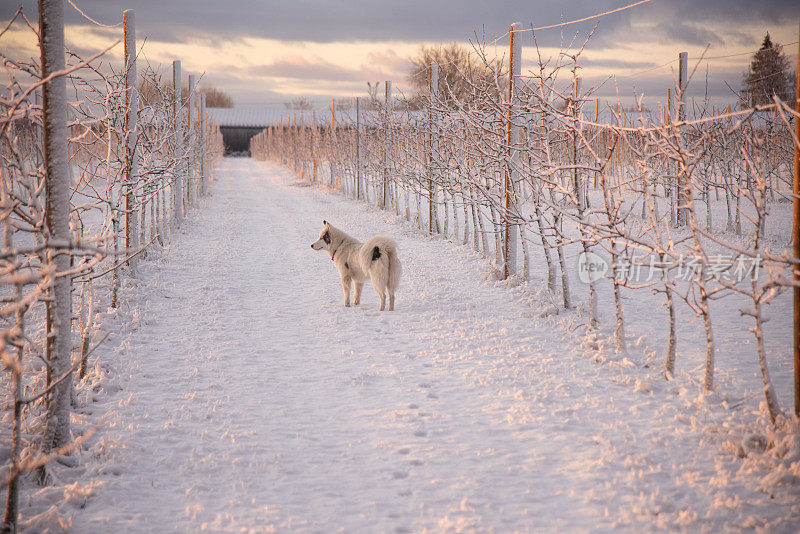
(768, 75)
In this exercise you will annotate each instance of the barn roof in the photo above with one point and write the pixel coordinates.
(262, 116)
(265, 115)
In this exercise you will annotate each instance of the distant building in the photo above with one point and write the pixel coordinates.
(239, 124)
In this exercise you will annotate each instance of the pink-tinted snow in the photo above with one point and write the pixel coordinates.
(251, 400)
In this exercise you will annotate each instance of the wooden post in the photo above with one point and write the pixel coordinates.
(621, 142)
(301, 130)
(684, 197)
(202, 116)
(57, 208)
(159, 202)
(611, 143)
(177, 110)
(387, 145)
(670, 185)
(796, 246)
(131, 215)
(358, 148)
(333, 122)
(596, 132)
(190, 117)
(313, 146)
(512, 132)
(669, 104)
(433, 148)
(577, 180)
(37, 95)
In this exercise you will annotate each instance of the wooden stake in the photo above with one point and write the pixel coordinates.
(358, 149)
(202, 116)
(333, 123)
(796, 246)
(131, 215)
(684, 187)
(612, 143)
(596, 132)
(314, 147)
(57, 215)
(510, 233)
(388, 145)
(433, 147)
(190, 137)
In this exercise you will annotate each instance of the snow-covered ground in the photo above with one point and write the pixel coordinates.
(252, 400)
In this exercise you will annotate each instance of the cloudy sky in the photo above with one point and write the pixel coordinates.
(263, 51)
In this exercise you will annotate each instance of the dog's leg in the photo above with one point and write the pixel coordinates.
(357, 293)
(346, 287)
(391, 299)
(379, 284)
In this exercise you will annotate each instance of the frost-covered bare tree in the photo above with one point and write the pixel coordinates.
(613, 188)
(460, 68)
(62, 184)
(216, 97)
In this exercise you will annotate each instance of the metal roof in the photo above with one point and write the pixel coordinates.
(262, 116)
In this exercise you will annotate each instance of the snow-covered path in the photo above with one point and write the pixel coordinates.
(257, 401)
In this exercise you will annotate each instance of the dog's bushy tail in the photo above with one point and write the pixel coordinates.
(379, 257)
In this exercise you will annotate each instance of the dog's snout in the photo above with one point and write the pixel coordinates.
(312, 245)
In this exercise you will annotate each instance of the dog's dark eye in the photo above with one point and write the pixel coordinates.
(327, 238)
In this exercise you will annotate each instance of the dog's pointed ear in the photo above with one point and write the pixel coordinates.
(324, 221)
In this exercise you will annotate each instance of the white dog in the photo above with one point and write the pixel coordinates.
(376, 259)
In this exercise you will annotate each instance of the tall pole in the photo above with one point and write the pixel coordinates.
(684, 191)
(177, 110)
(201, 98)
(131, 229)
(333, 122)
(190, 139)
(510, 234)
(577, 180)
(387, 153)
(57, 206)
(433, 148)
(301, 133)
(358, 149)
(796, 245)
(313, 146)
